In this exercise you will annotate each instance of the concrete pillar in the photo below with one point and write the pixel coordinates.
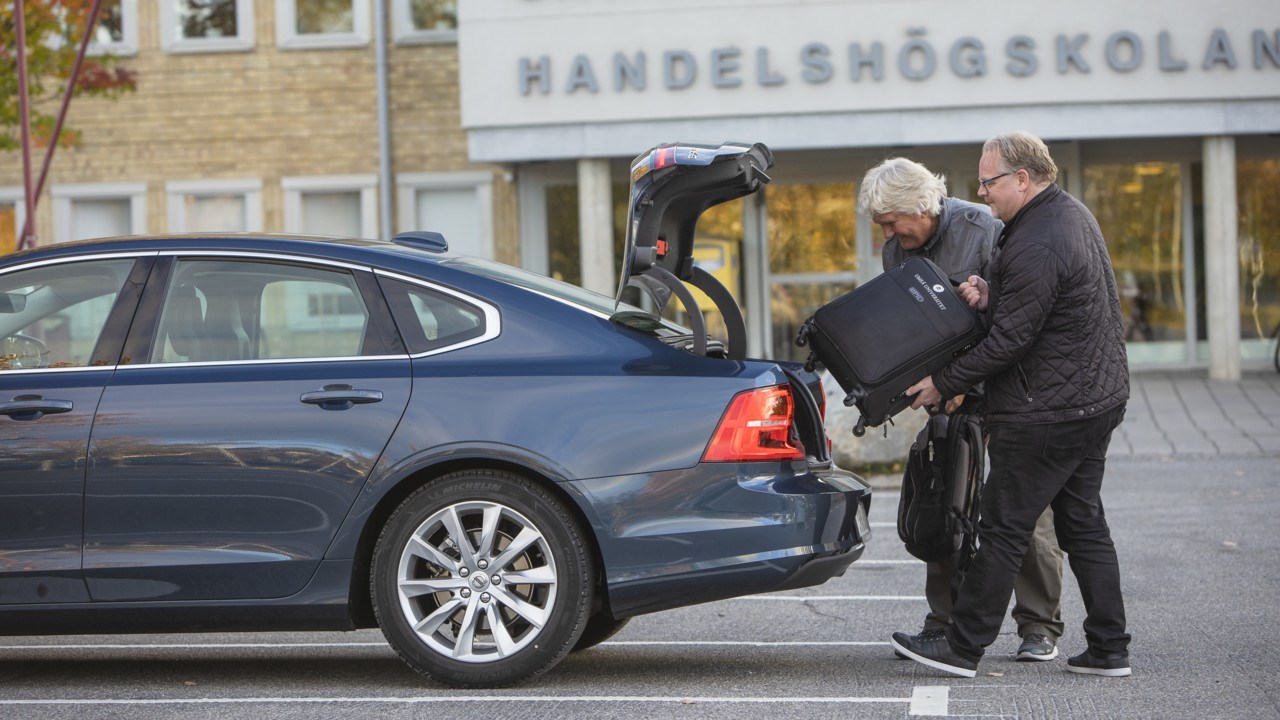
(1221, 258)
(595, 226)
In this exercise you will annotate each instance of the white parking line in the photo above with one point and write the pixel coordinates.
(911, 702)
(219, 646)
(163, 646)
(749, 643)
(807, 598)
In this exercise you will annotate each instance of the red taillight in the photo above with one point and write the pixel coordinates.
(755, 428)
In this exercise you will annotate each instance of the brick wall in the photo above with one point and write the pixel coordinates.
(267, 114)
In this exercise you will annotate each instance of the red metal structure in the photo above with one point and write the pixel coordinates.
(27, 238)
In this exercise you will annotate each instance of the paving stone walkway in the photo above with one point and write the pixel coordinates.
(1185, 413)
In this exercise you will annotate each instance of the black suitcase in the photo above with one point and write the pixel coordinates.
(890, 333)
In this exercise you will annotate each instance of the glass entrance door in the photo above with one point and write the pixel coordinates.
(812, 255)
(1140, 208)
(1258, 195)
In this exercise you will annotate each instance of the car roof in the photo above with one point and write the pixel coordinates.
(323, 246)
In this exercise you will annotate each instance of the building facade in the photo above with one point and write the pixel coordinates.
(264, 115)
(510, 125)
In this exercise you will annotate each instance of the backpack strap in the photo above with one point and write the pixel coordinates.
(966, 505)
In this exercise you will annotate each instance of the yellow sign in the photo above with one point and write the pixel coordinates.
(8, 230)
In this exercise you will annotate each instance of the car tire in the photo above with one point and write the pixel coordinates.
(600, 627)
(482, 578)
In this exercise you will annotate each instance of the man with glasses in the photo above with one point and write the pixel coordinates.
(1057, 381)
(911, 206)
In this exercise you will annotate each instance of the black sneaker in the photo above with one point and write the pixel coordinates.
(925, 635)
(935, 653)
(1087, 663)
(1037, 647)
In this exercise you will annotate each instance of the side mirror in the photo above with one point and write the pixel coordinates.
(12, 303)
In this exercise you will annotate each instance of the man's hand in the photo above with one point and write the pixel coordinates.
(975, 292)
(927, 396)
(954, 403)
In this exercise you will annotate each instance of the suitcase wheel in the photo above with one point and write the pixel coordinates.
(860, 428)
(802, 337)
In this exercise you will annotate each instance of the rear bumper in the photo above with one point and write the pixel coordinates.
(722, 530)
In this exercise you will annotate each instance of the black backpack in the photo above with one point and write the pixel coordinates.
(938, 511)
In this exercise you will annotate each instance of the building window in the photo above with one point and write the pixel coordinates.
(81, 212)
(206, 25)
(214, 205)
(322, 23)
(116, 31)
(1139, 207)
(812, 256)
(345, 205)
(564, 261)
(1258, 196)
(458, 205)
(425, 21)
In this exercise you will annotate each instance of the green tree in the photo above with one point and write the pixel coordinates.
(54, 29)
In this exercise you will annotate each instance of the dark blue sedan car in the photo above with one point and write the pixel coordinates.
(265, 432)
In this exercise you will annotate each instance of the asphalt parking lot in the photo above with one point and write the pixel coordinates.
(1198, 544)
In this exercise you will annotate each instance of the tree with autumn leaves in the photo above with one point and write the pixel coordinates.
(54, 30)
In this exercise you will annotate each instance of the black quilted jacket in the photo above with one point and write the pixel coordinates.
(1055, 350)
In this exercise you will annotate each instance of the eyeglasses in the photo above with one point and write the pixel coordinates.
(986, 182)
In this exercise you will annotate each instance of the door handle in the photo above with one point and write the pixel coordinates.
(340, 397)
(34, 407)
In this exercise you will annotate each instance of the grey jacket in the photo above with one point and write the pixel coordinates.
(962, 245)
(1055, 351)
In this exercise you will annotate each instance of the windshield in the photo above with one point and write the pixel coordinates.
(592, 302)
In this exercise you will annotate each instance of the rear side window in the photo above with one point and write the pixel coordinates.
(429, 319)
(232, 310)
(52, 316)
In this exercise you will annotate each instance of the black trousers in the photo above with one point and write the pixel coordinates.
(1058, 465)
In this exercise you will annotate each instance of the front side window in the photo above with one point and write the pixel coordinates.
(322, 23)
(206, 25)
(53, 316)
(230, 311)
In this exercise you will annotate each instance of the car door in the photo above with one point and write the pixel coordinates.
(61, 328)
(228, 451)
